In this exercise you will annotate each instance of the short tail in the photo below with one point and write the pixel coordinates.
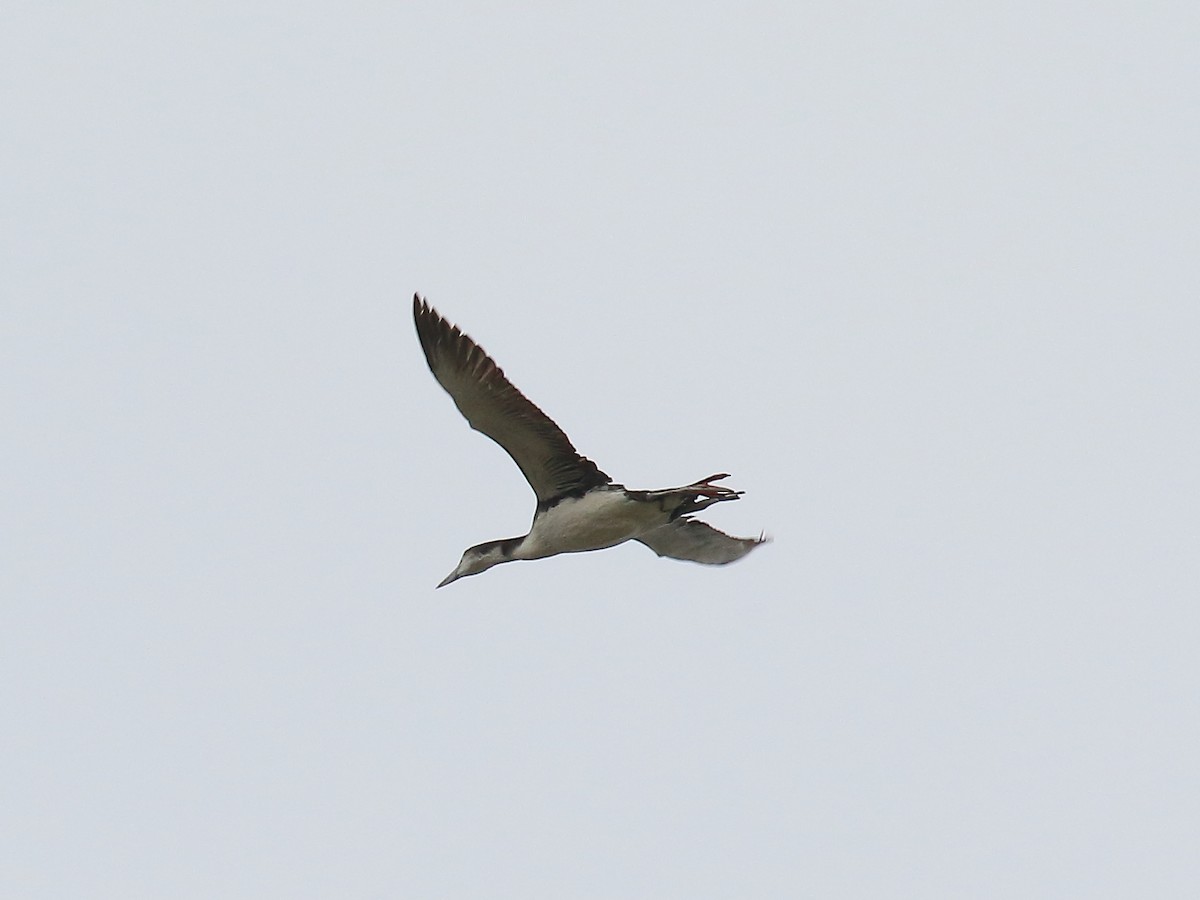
(690, 498)
(703, 493)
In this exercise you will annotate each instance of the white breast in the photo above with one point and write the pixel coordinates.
(598, 519)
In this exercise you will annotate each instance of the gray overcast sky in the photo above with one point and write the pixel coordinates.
(922, 277)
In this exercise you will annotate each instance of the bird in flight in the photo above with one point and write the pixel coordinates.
(579, 508)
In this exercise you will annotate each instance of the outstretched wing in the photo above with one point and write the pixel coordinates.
(491, 404)
(697, 541)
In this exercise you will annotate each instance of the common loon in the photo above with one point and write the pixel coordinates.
(578, 507)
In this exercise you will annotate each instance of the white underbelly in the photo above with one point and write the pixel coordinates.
(592, 522)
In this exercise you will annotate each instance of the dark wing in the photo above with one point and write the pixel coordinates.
(697, 541)
(492, 405)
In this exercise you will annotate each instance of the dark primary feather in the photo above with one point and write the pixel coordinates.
(490, 403)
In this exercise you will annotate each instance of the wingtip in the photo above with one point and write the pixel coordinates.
(423, 310)
(424, 315)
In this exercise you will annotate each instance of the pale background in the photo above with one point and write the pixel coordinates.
(922, 276)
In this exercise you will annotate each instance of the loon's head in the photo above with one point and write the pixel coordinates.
(482, 557)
